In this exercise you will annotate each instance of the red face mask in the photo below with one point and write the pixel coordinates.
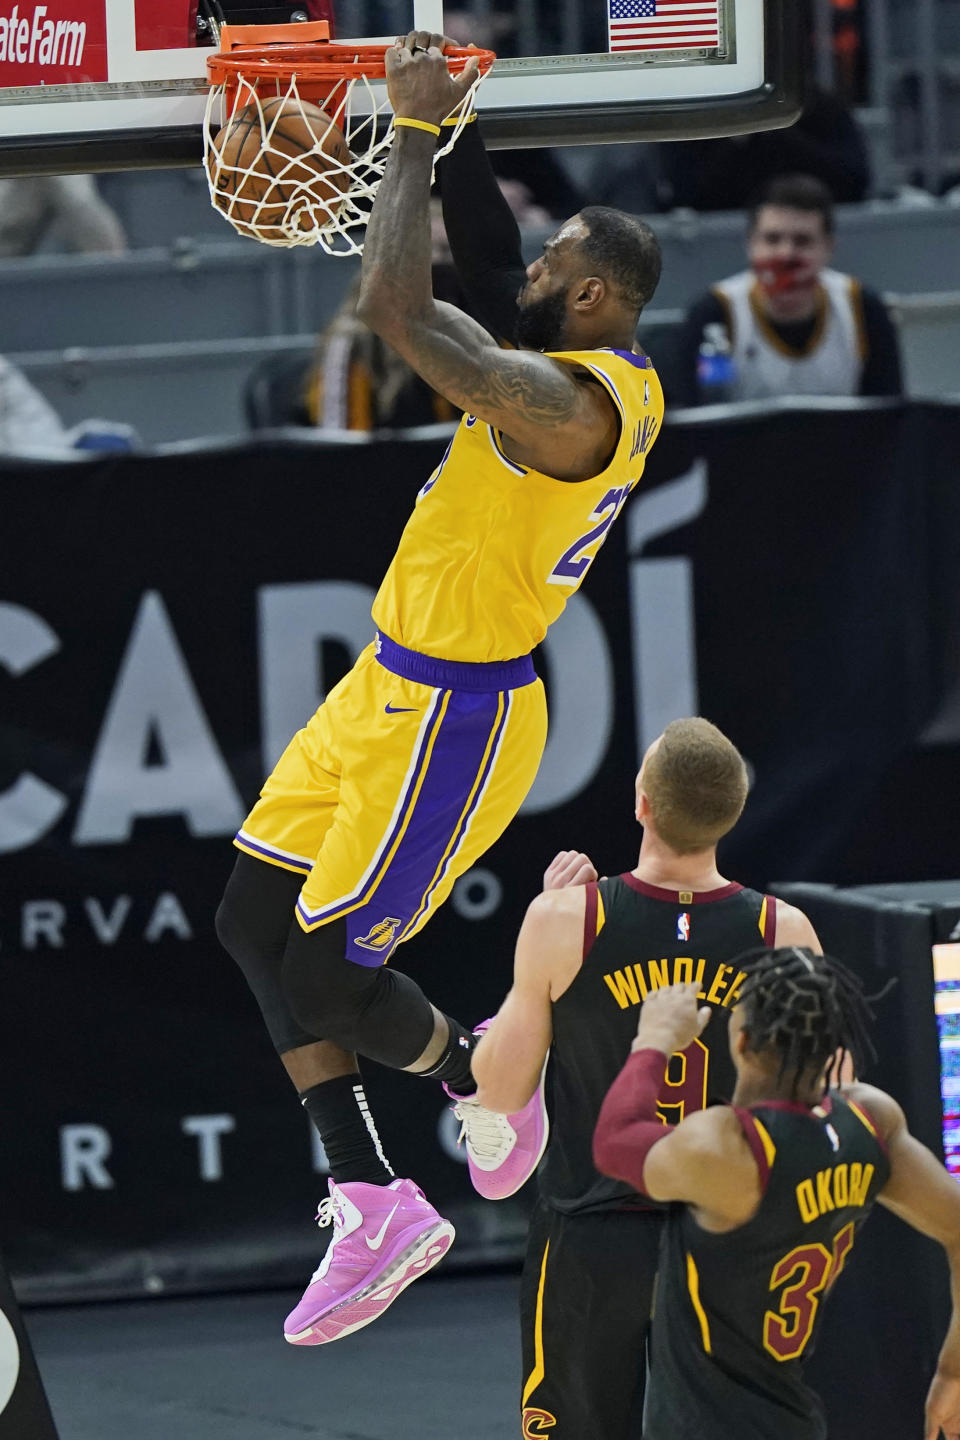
(779, 277)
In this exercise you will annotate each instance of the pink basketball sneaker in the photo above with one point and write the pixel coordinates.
(503, 1151)
(385, 1237)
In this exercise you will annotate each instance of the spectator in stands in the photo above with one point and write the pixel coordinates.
(57, 212)
(29, 424)
(355, 381)
(27, 421)
(788, 325)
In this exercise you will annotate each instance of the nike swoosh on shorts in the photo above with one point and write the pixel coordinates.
(399, 709)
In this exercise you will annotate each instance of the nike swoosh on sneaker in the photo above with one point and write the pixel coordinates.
(377, 1240)
(399, 709)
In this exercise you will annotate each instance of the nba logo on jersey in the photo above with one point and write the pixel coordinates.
(683, 925)
(380, 936)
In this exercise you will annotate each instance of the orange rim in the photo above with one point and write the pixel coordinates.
(324, 61)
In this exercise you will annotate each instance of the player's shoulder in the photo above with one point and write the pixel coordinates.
(877, 1109)
(717, 1127)
(793, 927)
(557, 909)
(712, 1141)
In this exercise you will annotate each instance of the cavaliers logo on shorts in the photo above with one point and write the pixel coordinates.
(536, 1422)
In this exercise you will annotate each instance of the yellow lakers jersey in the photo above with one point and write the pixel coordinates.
(494, 549)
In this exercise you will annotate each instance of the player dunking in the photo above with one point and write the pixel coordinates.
(774, 1189)
(587, 955)
(421, 756)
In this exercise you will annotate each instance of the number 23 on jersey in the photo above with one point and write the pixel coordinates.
(575, 562)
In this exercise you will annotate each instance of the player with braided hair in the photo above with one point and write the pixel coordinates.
(773, 1190)
(813, 1014)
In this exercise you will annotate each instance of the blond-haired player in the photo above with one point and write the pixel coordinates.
(588, 955)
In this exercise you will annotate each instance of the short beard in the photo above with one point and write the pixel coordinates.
(542, 323)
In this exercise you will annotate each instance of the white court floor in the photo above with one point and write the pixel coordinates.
(443, 1362)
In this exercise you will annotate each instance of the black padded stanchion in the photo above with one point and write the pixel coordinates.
(24, 1412)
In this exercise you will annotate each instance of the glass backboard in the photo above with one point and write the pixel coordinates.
(112, 84)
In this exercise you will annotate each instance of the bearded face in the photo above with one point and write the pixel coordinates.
(542, 322)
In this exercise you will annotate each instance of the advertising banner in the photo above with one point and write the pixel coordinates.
(61, 42)
(168, 621)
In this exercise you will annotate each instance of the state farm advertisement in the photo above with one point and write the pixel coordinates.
(59, 42)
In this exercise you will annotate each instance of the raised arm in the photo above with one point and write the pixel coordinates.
(705, 1161)
(557, 423)
(508, 1061)
(923, 1194)
(483, 233)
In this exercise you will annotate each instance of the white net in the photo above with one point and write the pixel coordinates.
(287, 172)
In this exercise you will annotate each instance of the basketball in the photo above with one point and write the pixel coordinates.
(277, 165)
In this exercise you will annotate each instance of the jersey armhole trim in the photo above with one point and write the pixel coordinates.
(607, 382)
(763, 1149)
(768, 921)
(593, 916)
(867, 1120)
(504, 459)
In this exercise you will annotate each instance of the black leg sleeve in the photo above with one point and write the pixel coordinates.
(253, 923)
(374, 1011)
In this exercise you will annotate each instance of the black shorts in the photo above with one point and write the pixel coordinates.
(585, 1302)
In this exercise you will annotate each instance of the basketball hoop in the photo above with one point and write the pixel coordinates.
(307, 193)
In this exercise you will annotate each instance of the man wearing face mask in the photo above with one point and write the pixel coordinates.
(788, 325)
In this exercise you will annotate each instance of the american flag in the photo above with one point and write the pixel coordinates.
(663, 24)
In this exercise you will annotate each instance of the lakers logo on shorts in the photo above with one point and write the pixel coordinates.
(536, 1422)
(380, 936)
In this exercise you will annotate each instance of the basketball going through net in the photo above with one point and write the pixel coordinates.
(296, 135)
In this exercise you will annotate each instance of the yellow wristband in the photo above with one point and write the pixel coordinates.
(416, 124)
(452, 120)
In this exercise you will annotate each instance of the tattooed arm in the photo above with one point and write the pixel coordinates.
(551, 419)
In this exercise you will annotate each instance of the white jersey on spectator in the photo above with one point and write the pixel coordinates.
(27, 421)
(830, 364)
